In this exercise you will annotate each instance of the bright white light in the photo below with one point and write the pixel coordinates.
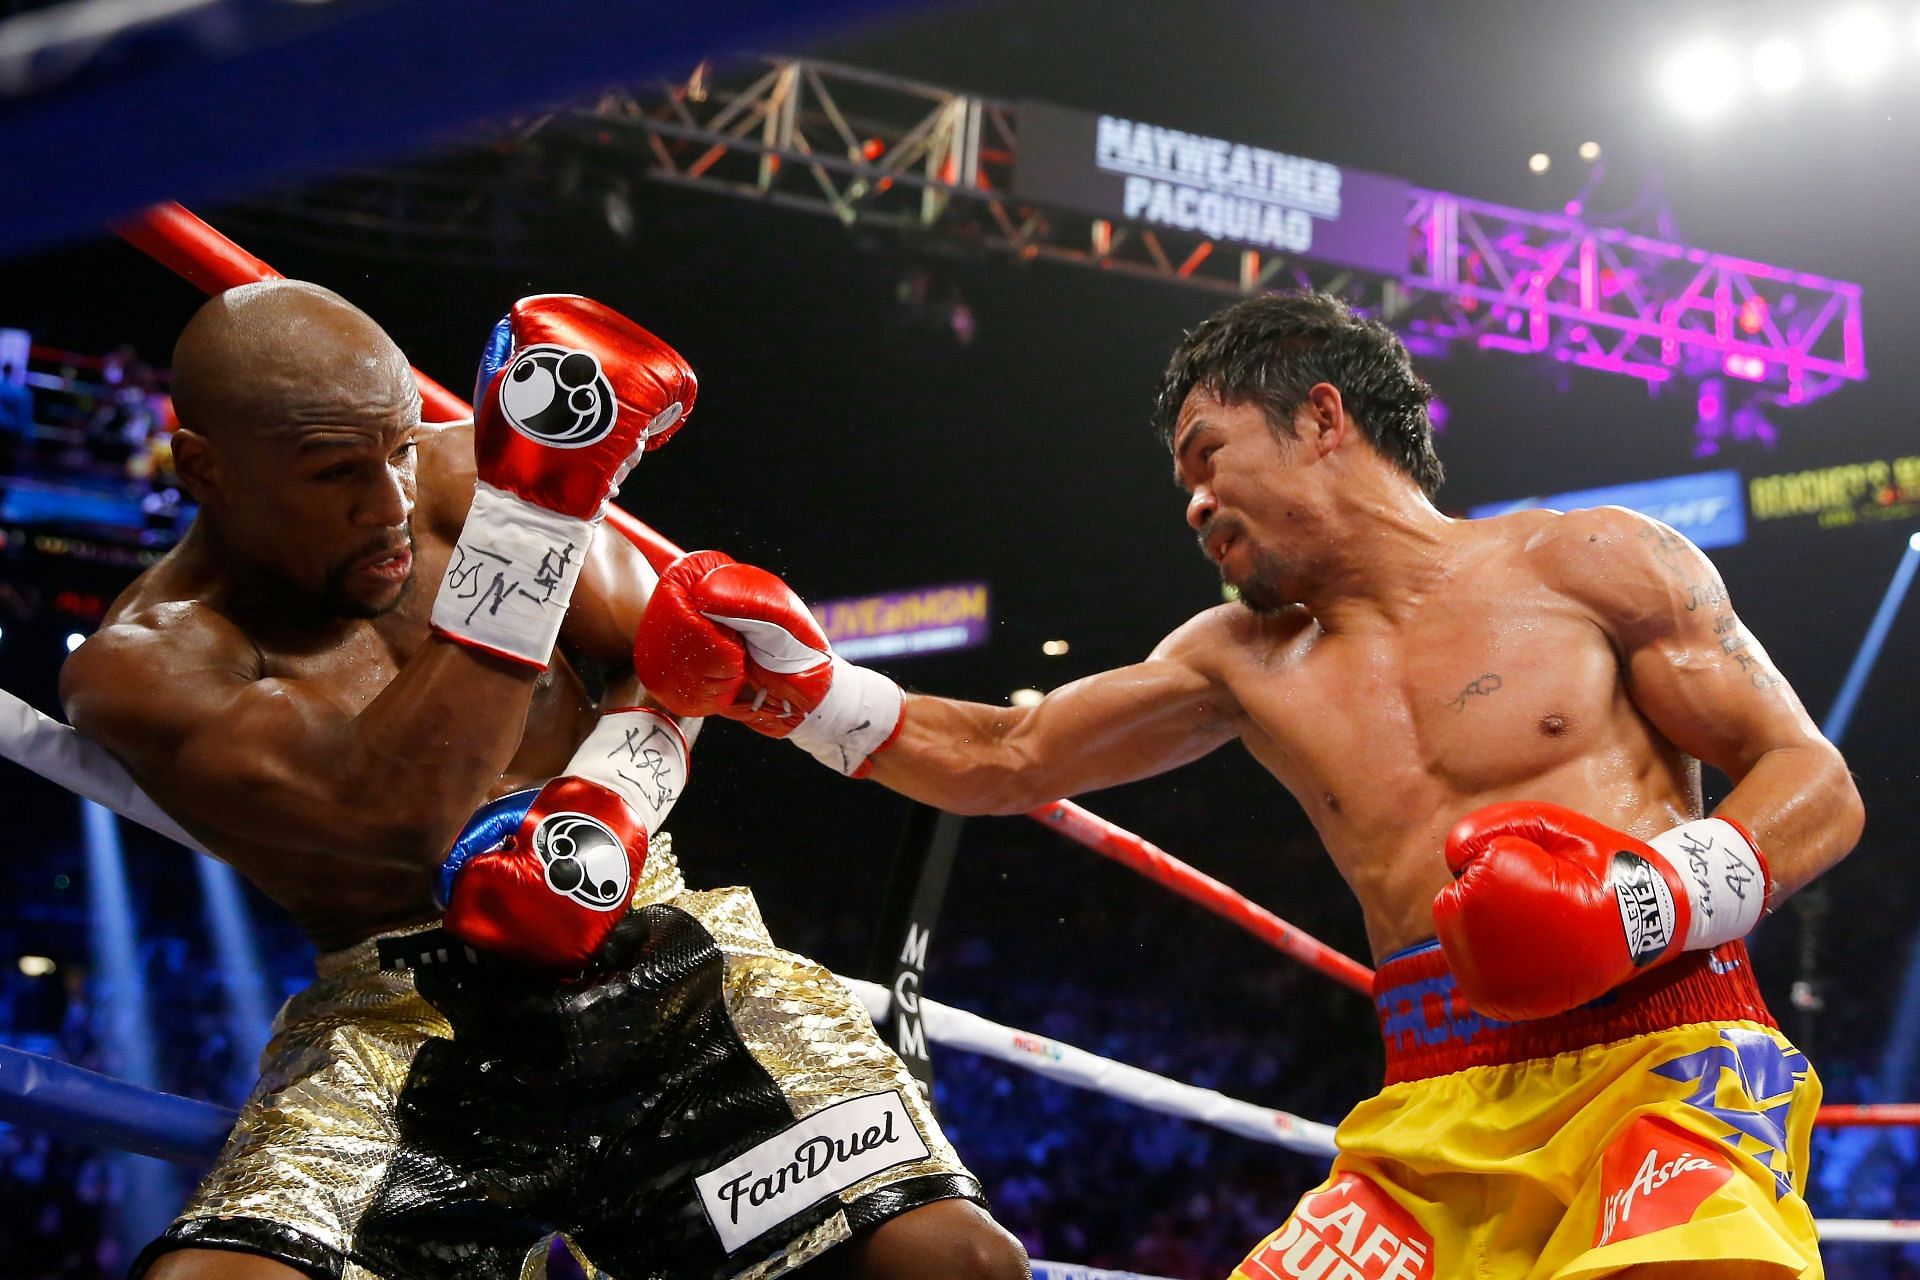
(1054, 648)
(74, 640)
(1778, 65)
(1699, 80)
(1913, 543)
(36, 966)
(1589, 151)
(1857, 44)
(1539, 162)
(1026, 697)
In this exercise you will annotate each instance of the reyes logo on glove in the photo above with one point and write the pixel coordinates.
(558, 396)
(584, 861)
(1646, 906)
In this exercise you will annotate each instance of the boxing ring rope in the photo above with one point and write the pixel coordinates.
(1113, 841)
(88, 1106)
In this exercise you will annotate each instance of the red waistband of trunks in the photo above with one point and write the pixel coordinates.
(1429, 1030)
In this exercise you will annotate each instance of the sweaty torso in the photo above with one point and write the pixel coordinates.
(1493, 686)
(338, 900)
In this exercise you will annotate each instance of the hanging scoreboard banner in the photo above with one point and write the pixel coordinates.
(1128, 170)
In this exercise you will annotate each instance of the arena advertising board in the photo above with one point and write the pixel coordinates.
(903, 623)
(1131, 170)
(1706, 506)
(1836, 497)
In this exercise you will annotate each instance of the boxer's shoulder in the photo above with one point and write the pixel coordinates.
(136, 676)
(160, 634)
(445, 475)
(1628, 569)
(1574, 543)
(1217, 639)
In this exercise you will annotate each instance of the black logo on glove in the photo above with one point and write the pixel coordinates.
(584, 861)
(558, 396)
(1646, 906)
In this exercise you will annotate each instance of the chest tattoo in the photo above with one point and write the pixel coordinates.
(1479, 687)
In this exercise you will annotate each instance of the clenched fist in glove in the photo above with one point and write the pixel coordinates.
(1550, 908)
(570, 394)
(724, 638)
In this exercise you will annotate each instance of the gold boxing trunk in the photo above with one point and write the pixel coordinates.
(699, 1104)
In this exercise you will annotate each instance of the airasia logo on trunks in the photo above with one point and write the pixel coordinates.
(1652, 1177)
(1350, 1231)
(800, 1166)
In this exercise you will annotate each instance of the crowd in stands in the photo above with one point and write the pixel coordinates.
(95, 431)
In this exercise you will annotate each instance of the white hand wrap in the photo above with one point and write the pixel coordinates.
(856, 718)
(1725, 876)
(639, 754)
(507, 586)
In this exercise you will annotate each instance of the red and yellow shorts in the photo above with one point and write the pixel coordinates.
(1666, 1123)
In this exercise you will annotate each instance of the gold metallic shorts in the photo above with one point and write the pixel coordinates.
(699, 1104)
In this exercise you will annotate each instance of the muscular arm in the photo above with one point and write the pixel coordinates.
(1106, 729)
(1704, 682)
(176, 693)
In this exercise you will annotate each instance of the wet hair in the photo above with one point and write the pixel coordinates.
(1272, 349)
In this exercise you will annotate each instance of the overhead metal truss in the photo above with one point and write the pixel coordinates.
(1604, 298)
(874, 150)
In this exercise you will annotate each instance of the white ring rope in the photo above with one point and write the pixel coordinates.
(1875, 1230)
(1056, 1060)
(58, 753)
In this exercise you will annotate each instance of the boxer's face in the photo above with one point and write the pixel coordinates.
(323, 504)
(1248, 490)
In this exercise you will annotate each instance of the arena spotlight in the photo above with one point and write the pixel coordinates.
(249, 1009)
(74, 640)
(124, 1021)
(1589, 151)
(1054, 648)
(1857, 44)
(1539, 162)
(1698, 80)
(36, 966)
(1778, 65)
(1026, 697)
(1841, 715)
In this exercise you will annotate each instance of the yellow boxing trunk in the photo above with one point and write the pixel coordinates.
(1666, 1123)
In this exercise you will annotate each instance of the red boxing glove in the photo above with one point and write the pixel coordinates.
(692, 667)
(545, 876)
(569, 395)
(717, 631)
(1550, 909)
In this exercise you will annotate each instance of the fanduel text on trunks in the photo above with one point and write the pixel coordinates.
(799, 1167)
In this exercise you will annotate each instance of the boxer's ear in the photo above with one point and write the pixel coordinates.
(1321, 420)
(197, 464)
